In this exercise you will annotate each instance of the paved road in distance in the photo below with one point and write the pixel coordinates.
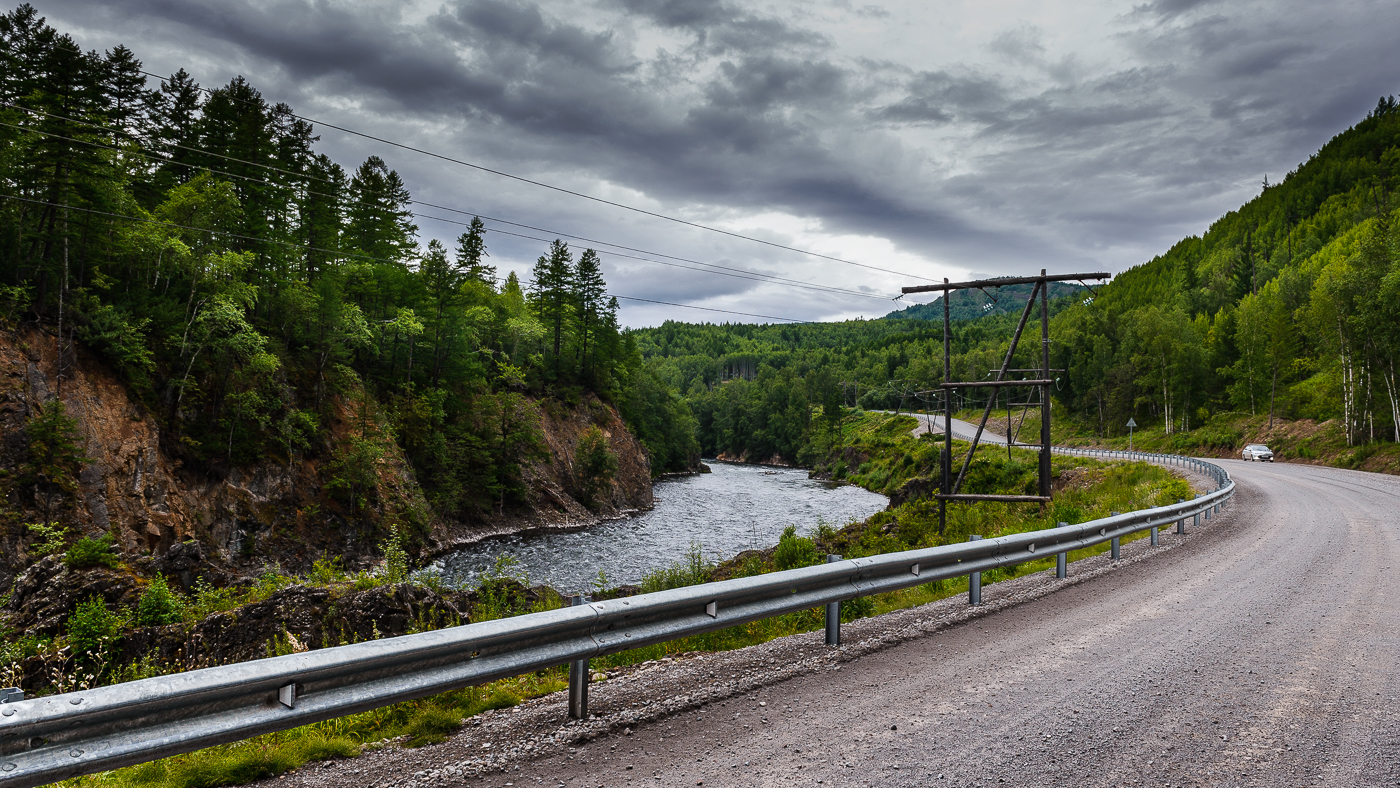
(1265, 652)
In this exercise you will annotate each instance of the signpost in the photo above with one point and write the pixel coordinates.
(1131, 424)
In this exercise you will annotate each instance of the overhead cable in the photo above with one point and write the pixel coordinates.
(739, 273)
(339, 253)
(582, 195)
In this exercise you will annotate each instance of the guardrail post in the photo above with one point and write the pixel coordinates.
(833, 614)
(1061, 560)
(1198, 514)
(1181, 524)
(578, 676)
(974, 581)
(1153, 531)
(1113, 543)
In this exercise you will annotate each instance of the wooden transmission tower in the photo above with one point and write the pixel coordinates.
(948, 488)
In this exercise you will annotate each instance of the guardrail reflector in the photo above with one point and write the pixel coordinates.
(287, 696)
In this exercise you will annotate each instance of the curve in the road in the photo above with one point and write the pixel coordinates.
(1264, 652)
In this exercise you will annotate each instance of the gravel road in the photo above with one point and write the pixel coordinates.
(1260, 649)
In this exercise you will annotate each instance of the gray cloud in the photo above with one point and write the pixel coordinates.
(1037, 145)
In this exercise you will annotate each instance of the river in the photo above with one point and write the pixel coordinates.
(732, 509)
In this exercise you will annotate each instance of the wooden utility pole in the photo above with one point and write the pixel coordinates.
(949, 487)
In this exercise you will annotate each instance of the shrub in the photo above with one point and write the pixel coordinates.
(499, 595)
(91, 552)
(49, 538)
(395, 557)
(209, 600)
(92, 627)
(794, 551)
(327, 571)
(1173, 491)
(271, 581)
(159, 605)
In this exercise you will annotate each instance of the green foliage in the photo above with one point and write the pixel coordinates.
(692, 569)
(327, 570)
(500, 594)
(1173, 491)
(91, 629)
(795, 551)
(54, 458)
(88, 552)
(208, 600)
(595, 464)
(271, 581)
(245, 308)
(395, 557)
(159, 605)
(48, 538)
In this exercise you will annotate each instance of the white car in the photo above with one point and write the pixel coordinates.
(1257, 451)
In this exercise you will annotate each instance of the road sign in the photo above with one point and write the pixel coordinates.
(1131, 423)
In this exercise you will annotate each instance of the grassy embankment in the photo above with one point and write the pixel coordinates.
(872, 450)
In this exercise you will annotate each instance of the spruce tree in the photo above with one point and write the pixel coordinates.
(471, 251)
(589, 290)
(552, 292)
(378, 215)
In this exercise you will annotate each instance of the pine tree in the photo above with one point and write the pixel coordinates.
(589, 289)
(552, 292)
(378, 216)
(176, 128)
(471, 251)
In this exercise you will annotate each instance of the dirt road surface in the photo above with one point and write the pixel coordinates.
(1260, 650)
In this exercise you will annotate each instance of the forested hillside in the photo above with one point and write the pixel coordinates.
(1285, 309)
(264, 304)
(972, 304)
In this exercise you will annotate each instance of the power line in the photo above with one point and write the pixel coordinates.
(736, 272)
(571, 192)
(338, 253)
(609, 252)
(710, 309)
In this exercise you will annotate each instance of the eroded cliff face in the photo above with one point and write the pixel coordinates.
(188, 522)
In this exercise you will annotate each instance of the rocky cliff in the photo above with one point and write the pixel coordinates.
(165, 514)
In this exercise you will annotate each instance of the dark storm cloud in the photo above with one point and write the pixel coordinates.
(1016, 150)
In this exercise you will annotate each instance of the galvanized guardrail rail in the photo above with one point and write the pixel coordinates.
(61, 736)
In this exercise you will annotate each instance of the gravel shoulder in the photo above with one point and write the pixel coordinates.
(746, 707)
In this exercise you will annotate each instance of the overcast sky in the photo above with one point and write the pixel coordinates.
(932, 139)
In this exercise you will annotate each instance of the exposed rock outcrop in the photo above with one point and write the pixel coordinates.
(189, 522)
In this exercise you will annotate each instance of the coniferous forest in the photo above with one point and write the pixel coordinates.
(245, 286)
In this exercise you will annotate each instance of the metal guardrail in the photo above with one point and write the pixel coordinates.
(61, 736)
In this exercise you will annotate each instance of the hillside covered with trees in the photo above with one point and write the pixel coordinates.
(1288, 308)
(251, 294)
